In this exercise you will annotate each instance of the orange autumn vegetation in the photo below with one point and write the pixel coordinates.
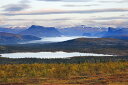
(59, 71)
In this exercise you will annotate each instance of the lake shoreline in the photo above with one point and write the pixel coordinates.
(56, 54)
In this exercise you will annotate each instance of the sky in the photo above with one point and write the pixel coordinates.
(64, 13)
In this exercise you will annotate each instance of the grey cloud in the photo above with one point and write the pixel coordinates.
(120, 1)
(42, 12)
(115, 23)
(72, 5)
(15, 7)
(58, 19)
(108, 23)
(25, 1)
(88, 22)
(69, 0)
(66, 19)
(110, 18)
(22, 5)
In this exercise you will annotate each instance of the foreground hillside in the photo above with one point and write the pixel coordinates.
(89, 45)
(10, 38)
(110, 73)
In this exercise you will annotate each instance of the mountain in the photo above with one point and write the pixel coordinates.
(41, 31)
(95, 34)
(80, 30)
(117, 33)
(9, 38)
(11, 30)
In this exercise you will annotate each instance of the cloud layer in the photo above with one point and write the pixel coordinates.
(15, 7)
(69, 0)
(58, 11)
(64, 12)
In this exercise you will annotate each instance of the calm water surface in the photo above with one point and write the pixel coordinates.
(49, 54)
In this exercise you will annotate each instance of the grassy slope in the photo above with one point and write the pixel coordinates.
(65, 74)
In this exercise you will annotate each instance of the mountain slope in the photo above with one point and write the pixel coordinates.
(116, 31)
(121, 33)
(122, 37)
(90, 42)
(9, 38)
(41, 31)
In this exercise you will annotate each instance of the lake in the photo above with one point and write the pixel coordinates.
(58, 54)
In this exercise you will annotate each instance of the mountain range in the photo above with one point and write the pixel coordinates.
(82, 30)
(99, 32)
(121, 33)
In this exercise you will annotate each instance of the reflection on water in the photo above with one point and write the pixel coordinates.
(59, 54)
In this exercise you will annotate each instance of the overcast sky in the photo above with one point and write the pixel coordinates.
(63, 13)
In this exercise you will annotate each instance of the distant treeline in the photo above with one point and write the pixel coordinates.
(73, 60)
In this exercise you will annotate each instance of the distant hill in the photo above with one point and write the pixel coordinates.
(94, 41)
(123, 37)
(9, 38)
(41, 31)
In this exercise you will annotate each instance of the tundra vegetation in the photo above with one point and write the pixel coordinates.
(100, 72)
